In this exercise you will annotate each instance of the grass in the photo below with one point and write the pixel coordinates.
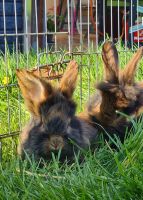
(106, 174)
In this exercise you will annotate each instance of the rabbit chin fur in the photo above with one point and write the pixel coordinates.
(56, 123)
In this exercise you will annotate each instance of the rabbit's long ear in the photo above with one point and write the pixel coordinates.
(111, 62)
(127, 75)
(34, 90)
(68, 82)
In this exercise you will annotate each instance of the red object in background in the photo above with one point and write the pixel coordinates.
(138, 36)
(127, 31)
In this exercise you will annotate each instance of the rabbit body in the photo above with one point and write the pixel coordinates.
(53, 126)
(118, 93)
(56, 129)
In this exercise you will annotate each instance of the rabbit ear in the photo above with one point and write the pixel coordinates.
(127, 75)
(111, 62)
(68, 82)
(35, 90)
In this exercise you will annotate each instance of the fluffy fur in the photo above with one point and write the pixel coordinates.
(53, 124)
(118, 92)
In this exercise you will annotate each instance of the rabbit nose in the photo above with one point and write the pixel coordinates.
(56, 143)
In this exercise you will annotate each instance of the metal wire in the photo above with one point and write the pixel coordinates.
(111, 7)
(119, 20)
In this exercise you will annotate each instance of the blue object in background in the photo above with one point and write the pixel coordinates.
(135, 28)
(140, 9)
(11, 18)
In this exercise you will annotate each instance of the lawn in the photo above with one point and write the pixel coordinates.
(106, 174)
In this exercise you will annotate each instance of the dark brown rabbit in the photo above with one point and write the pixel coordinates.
(118, 92)
(53, 125)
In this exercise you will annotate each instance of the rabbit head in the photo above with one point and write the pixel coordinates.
(119, 91)
(51, 109)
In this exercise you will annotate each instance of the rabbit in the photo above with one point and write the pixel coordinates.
(117, 93)
(53, 126)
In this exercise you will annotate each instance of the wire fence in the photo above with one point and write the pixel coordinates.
(44, 33)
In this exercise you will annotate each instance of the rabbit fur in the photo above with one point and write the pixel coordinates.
(53, 125)
(117, 93)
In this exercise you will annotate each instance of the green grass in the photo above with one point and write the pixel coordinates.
(106, 174)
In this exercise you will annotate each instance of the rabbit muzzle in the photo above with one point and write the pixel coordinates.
(55, 143)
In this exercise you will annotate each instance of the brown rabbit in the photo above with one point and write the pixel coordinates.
(53, 125)
(118, 92)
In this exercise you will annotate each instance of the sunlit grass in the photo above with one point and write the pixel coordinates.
(106, 174)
